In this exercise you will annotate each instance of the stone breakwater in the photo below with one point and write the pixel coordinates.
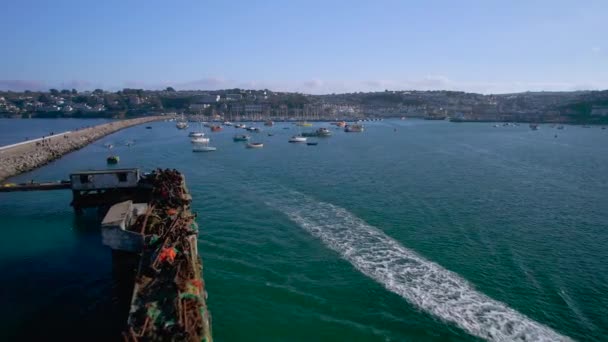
(30, 155)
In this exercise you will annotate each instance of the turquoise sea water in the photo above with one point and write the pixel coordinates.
(411, 231)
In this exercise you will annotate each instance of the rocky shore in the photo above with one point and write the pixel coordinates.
(28, 156)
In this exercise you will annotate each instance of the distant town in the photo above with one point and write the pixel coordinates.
(589, 107)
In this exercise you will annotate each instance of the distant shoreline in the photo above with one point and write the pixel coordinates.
(350, 119)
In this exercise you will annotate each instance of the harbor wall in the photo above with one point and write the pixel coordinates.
(22, 157)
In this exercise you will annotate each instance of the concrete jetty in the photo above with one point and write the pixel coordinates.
(28, 155)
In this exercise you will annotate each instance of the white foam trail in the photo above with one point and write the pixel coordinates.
(421, 282)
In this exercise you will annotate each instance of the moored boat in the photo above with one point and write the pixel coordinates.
(312, 143)
(255, 145)
(304, 124)
(113, 160)
(203, 148)
(182, 123)
(353, 128)
(321, 132)
(534, 127)
(200, 140)
(268, 123)
(297, 139)
(241, 137)
(216, 128)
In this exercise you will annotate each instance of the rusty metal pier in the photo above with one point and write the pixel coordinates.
(149, 226)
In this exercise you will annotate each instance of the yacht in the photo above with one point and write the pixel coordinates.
(200, 140)
(297, 139)
(203, 148)
(197, 134)
(181, 123)
(255, 145)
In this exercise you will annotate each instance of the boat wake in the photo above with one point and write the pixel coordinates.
(421, 282)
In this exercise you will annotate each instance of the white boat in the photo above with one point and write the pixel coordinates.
(254, 145)
(182, 123)
(200, 140)
(297, 139)
(197, 134)
(203, 148)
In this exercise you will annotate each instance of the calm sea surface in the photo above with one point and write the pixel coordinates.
(411, 231)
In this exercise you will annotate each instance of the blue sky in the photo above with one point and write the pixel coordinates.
(307, 46)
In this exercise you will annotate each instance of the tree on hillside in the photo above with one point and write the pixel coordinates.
(54, 91)
(74, 92)
(170, 89)
(98, 91)
(65, 91)
(44, 98)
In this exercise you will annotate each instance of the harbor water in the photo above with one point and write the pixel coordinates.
(410, 231)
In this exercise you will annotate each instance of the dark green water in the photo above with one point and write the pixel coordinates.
(433, 232)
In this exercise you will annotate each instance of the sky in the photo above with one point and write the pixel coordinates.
(315, 47)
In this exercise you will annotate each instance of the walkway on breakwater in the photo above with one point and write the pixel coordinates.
(28, 155)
